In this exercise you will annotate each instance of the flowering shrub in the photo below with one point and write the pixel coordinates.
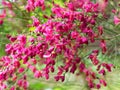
(3, 14)
(68, 30)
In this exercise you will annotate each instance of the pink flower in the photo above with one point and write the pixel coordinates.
(46, 76)
(3, 86)
(14, 77)
(37, 74)
(98, 86)
(94, 59)
(25, 59)
(35, 21)
(1, 22)
(39, 3)
(19, 82)
(12, 39)
(22, 39)
(12, 88)
(103, 82)
(30, 5)
(3, 15)
(58, 11)
(84, 40)
(21, 70)
(74, 34)
(73, 68)
(32, 68)
(25, 84)
(52, 69)
(114, 11)
(116, 20)
(108, 67)
(34, 61)
(100, 30)
(71, 6)
(7, 4)
(103, 46)
(82, 67)
(8, 48)
(77, 60)
(16, 64)
(102, 72)
(57, 78)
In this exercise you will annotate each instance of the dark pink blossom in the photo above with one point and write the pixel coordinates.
(103, 46)
(102, 71)
(20, 70)
(100, 30)
(1, 22)
(37, 74)
(22, 39)
(98, 86)
(12, 88)
(35, 21)
(103, 82)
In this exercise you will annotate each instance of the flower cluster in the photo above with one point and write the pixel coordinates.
(67, 32)
(32, 4)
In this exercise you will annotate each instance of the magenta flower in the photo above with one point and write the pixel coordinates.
(12, 39)
(103, 46)
(32, 68)
(82, 67)
(12, 88)
(30, 5)
(35, 21)
(100, 30)
(37, 74)
(98, 86)
(57, 78)
(1, 22)
(103, 82)
(74, 34)
(22, 39)
(73, 68)
(3, 15)
(39, 3)
(19, 82)
(20, 70)
(116, 20)
(102, 71)
(34, 61)
(7, 4)
(25, 84)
